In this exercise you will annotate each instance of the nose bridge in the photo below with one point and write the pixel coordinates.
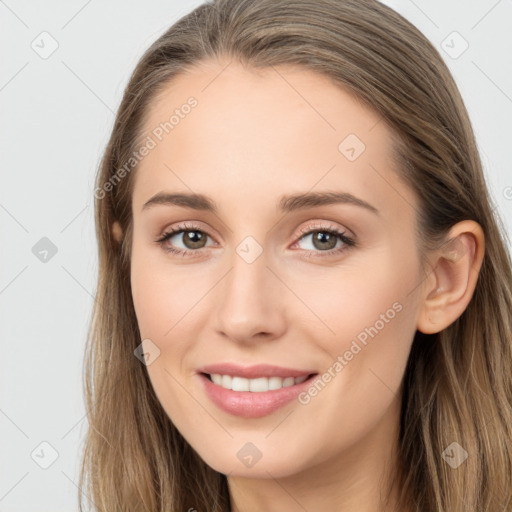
(247, 282)
(248, 302)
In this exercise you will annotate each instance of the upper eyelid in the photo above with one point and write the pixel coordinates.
(320, 226)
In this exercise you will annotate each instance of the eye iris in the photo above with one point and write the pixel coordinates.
(323, 236)
(196, 239)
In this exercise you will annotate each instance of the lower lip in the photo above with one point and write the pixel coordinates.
(248, 404)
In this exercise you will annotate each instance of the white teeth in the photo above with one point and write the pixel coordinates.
(289, 381)
(239, 384)
(226, 381)
(275, 383)
(259, 385)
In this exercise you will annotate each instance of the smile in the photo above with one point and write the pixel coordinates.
(253, 392)
(259, 385)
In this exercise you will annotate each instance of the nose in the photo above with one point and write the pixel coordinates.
(251, 301)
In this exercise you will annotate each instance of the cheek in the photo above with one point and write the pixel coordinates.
(172, 305)
(361, 380)
(161, 295)
(361, 301)
(164, 306)
(150, 301)
(368, 321)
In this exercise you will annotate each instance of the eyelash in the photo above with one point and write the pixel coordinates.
(347, 241)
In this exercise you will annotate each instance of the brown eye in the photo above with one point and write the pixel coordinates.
(324, 240)
(194, 239)
(184, 240)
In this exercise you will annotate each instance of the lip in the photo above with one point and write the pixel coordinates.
(255, 371)
(247, 404)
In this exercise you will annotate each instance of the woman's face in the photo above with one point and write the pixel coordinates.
(279, 282)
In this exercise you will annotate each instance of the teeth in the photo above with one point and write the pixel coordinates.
(258, 385)
(239, 384)
(217, 379)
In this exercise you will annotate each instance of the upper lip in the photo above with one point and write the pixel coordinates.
(253, 372)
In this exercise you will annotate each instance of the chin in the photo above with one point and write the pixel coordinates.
(246, 462)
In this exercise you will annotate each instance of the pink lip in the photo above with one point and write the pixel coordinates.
(253, 372)
(247, 404)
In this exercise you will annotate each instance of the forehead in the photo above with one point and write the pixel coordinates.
(271, 98)
(263, 129)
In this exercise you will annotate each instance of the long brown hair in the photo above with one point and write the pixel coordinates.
(458, 383)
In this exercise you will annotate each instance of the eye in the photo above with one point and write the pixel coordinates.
(324, 241)
(190, 237)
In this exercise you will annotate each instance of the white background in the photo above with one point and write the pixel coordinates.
(56, 114)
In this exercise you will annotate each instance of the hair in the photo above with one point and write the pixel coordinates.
(457, 384)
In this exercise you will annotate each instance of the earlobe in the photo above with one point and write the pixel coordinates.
(117, 231)
(450, 286)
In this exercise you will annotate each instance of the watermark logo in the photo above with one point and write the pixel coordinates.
(44, 45)
(351, 147)
(249, 249)
(454, 455)
(44, 250)
(249, 455)
(44, 455)
(147, 352)
(454, 45)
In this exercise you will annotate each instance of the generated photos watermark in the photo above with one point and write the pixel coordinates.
(150, 143)
(360, 342)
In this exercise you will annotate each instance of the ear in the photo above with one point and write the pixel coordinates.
(117, 231)
(448, 289)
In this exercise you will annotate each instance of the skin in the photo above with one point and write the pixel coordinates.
(254, 137)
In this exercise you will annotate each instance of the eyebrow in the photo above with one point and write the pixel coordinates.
(288, 203)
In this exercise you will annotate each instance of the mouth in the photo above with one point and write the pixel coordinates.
(257, 385)
(253, 392)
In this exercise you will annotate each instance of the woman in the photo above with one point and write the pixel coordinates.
(304, 298)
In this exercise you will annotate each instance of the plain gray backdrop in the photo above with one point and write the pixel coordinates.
(63, 69)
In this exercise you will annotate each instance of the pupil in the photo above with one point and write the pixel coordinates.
(322, 237)
(194, 238)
